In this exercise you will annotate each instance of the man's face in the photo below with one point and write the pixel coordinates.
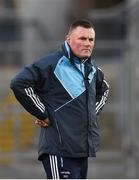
(81, 41)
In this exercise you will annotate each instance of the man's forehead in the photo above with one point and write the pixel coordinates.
(81, 31)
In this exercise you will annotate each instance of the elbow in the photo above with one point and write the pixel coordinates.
(13, 84)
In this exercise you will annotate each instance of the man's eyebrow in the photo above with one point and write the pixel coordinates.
(83, 37)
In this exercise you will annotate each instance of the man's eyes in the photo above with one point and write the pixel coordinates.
(84, 39)
(91, 39)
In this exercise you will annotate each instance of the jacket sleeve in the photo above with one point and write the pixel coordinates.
(102, 91)
(25, 86)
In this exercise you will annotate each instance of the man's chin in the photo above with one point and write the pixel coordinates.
(85, 56)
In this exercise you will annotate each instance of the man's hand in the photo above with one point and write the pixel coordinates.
(43, 123)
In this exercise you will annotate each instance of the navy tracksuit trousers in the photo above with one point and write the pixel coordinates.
(65, 168)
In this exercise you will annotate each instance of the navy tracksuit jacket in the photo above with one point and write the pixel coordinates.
(71, 93)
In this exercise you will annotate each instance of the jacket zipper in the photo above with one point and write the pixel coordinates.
(85, 81)
(86, 84)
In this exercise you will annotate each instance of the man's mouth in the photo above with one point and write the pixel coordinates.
(86, 50)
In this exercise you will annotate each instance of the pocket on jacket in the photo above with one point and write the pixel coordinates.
(72, 127)
(94, 144)
(71, 139)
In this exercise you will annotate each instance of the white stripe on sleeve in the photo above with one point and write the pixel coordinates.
(33, 97)
(103, 101)
(37, 99)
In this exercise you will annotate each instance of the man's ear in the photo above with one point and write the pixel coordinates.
(68, 39)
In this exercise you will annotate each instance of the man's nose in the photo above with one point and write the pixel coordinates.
(87, 42)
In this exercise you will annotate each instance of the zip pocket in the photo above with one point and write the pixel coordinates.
(59, 135)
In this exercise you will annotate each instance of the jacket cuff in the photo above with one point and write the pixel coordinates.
(43, 116)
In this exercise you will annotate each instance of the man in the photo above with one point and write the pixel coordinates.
(65, 91)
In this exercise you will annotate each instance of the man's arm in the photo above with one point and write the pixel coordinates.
(24, 86)
(102, 91)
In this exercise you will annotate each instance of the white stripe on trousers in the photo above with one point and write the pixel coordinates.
(54, 166)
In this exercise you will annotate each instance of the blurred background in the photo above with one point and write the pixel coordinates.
(29, 29)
